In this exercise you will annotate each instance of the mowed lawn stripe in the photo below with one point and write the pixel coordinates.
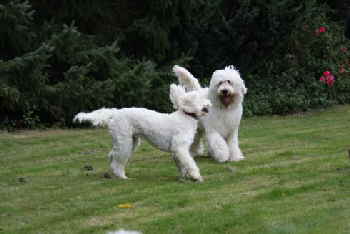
(295, 179)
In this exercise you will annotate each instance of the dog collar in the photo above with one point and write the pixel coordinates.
(193, 115)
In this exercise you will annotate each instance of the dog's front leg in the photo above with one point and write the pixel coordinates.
(217, 146)
(235, 152)
(186, 164)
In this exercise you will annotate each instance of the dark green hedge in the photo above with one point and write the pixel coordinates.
(61, 57)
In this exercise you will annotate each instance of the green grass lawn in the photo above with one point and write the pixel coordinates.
(295, 179)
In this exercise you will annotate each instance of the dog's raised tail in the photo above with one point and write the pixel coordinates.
(186, 79)
(98, 118)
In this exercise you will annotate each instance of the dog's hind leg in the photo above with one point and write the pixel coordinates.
(217, 147)
(122, 150)
(119, 158)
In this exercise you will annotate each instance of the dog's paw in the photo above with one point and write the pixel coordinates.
(194, 175)
(221, 160)
(194, 179)
(236, 158)
(198, 179)
(120, 176)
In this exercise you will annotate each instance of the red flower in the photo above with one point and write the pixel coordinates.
(342, 69)
(327, 78)
(327, 73)
(322, 29)
(330, 81)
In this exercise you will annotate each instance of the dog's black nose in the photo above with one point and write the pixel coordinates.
(224, 91)
(205, 109)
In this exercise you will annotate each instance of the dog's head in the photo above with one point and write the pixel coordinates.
(226, 87)
(191, 103)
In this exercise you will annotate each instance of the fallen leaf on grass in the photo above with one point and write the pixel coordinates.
(126, 205)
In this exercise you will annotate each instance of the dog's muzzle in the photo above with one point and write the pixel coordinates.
(224, 92)
(226, 98)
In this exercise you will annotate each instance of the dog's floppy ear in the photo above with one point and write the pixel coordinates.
(176, 92)
(185, 78)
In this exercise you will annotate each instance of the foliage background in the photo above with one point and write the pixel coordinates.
(61, 57)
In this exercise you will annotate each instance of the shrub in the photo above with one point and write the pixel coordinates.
(289, 80)
(70, 73)
(23, 83)
(51, 68)
(17, 36)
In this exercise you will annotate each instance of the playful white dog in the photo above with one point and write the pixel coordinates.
(169, 132)
(226, 92)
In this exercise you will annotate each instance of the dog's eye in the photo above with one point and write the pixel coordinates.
(228, 81)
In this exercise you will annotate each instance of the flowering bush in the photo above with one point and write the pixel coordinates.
(280, 49)
(321, 46)
(289, 80)
(327, 78)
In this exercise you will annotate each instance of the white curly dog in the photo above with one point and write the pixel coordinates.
(226, 92)
(169, 132)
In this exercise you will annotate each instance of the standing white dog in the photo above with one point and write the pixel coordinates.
(169, 132)
(226, 92)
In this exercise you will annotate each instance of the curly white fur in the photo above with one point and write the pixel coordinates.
(99, 117)
(186, 79)
(226, 92)
(169, 132)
